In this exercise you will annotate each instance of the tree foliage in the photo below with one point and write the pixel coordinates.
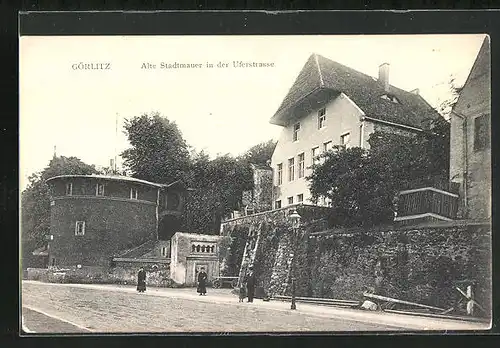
(217, 188)
(158, 153)
(453, 91)
(362, 184)
(260, 153)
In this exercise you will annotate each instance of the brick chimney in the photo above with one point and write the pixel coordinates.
(383, 75)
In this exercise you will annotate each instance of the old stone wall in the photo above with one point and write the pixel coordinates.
(263, 189)
(418, 264)
(121, 272)
(110, 227)
(254, 239)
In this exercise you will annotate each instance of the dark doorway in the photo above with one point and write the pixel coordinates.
(167, 227)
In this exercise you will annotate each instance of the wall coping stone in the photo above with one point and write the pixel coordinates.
(387, 228)
(125, 259)
(288, 207)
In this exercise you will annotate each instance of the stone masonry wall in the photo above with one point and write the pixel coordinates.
(419, 264)
(255, 241)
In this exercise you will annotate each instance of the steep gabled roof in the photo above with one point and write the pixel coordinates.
(320, 73)
(476, 89)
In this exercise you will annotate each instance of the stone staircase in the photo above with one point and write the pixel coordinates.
(138, 251)
(251, 247)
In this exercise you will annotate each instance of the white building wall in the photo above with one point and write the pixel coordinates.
(342, 116)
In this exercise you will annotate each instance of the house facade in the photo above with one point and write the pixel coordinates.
(95, 217)
(331, 104)
(470, 140)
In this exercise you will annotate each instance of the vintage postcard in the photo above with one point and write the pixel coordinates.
(299, 183)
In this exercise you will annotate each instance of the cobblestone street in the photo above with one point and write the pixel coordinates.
(105, 308)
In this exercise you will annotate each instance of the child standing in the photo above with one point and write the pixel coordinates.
(242, 294)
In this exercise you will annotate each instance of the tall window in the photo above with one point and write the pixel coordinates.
(291, 169)
(99, 190)
(361, 136)
(327, 146)
(69, 189)
(481, 132)
(133, 193)
(164, 251)
(301, 165)
(300, 198)
(321, 118)
(296, 128)
(290, 200)
(345, 139)
(280, 174)
(314, 155)
(277, 204)
(80, 228)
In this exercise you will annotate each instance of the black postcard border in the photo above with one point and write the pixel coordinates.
(225, 23)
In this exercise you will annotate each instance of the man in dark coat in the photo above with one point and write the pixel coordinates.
(202, 282)
(250, 281)
(141, 280)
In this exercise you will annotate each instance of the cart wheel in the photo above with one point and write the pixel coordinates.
(216, 284)
(234, 283)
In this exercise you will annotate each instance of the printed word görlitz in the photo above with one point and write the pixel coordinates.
(91, 66)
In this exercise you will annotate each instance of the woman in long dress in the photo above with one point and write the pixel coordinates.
(202, 282)
(141, 280)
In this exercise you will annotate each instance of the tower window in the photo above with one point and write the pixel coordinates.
(69, 189)
(99, 190)
(80, 228)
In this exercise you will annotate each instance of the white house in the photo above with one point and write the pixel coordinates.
(332, 104)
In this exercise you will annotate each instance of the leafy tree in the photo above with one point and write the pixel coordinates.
(356, 185)
(453, 90)
(35, 200)
(260, 153)
(362, 184)
(217, 188)
(419, 160)
(159, 152)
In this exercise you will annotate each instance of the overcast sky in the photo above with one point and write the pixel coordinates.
(218, 110)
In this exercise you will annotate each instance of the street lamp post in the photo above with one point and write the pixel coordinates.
(49, 238)
(295, 218)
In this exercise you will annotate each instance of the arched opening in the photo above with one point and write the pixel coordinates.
(168, 226)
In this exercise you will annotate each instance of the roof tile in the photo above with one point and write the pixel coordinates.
(364, 90)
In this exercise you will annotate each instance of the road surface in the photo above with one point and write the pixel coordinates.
(78, 308)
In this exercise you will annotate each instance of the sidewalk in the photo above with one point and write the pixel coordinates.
(222, 296)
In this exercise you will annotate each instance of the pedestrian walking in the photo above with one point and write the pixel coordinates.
(250, 282)
(202, 282)
(141, 280)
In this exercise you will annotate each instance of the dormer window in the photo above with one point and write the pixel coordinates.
(99, 190)
(296, 128)
(390, 98)
(69, 189)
